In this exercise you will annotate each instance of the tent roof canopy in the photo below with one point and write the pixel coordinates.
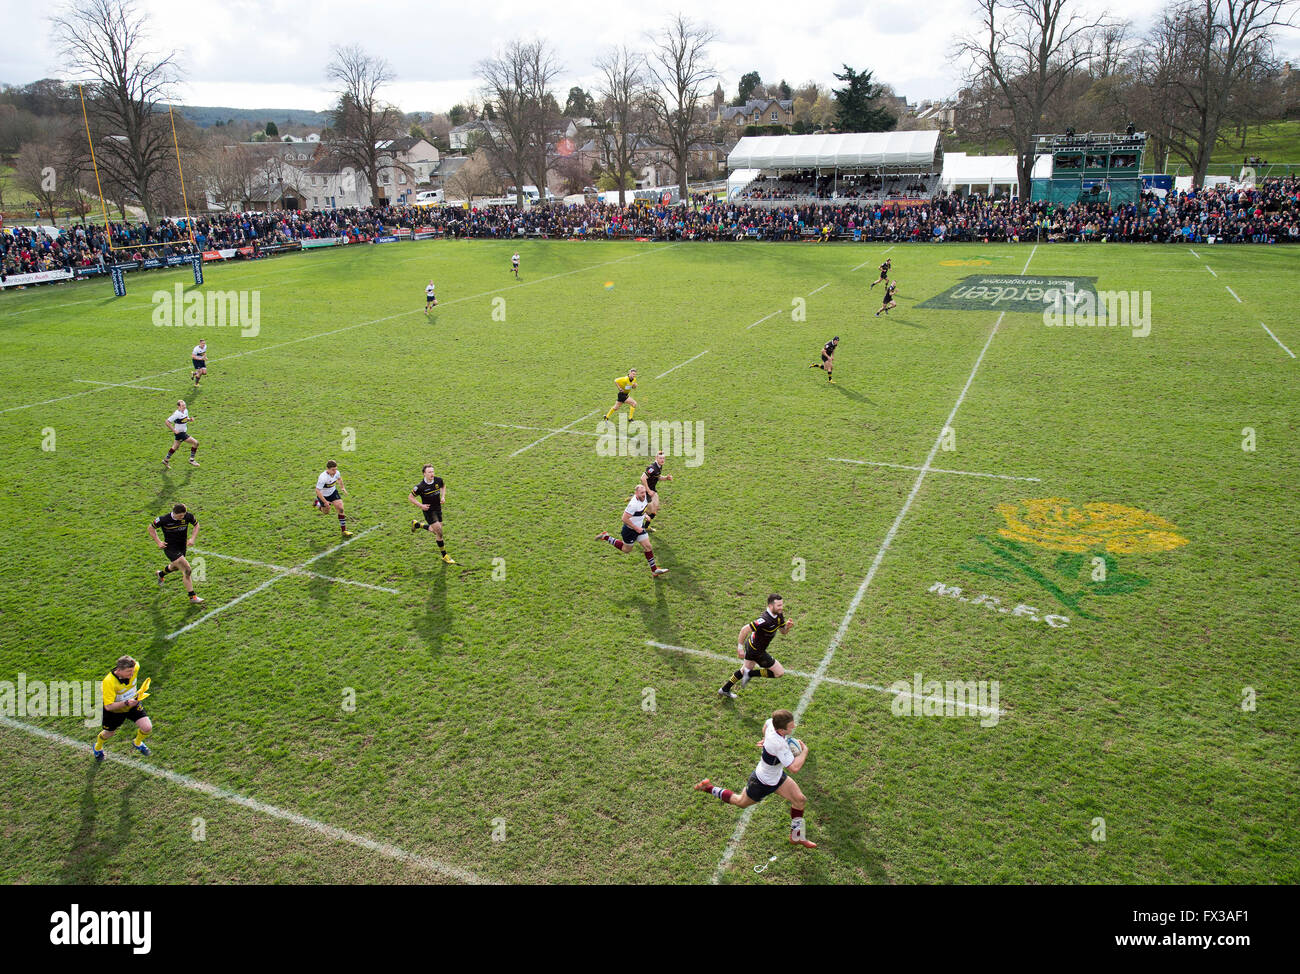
(960, 168)
(914, 151)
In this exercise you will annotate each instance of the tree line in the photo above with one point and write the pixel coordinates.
(1031, 66)
(1047, 66)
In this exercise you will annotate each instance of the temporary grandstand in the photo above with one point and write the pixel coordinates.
(867, 166)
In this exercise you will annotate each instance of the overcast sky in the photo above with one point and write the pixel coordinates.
(273, 53)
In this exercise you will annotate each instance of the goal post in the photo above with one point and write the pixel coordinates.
(115, 270)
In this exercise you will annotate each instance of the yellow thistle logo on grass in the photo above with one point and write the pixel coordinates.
(1055, 524)
(1086, 540)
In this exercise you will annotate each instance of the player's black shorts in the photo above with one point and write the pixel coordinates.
(182, 436)
(199, 363)
(825, 357)
(433, 515)
(172, 552)
(884, 275)
(332, 496)
(630, 536)
(430, 299)
(112, 720)
(760, 656)
(622, 397)
(757, 791)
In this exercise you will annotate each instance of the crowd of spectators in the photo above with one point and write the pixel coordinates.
(807, 186)
(1269, 213)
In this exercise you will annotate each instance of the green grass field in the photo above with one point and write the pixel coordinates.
(512, 721)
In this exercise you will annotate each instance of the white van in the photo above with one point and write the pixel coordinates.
(429, 197)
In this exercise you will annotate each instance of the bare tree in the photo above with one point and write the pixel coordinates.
(231, 175)
(1197, 60)
(516, 90)
(1020, 59)
(680, 68)
(624, 100)
(36, 170)
(543, 70)
(474, 178)
(106, 42)
(361, 120)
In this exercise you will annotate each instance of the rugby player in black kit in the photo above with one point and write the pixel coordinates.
(752, 643)
(428, 496)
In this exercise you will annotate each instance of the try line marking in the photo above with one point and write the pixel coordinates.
(1276, 339)
(687, 362)
(121, 385)
(820, 674)
(384, 849)
(562, 429)
(1232, 292)
(542, 429)
(296, 571)
(1211, 270)
(336, 331)
(964, 473)
(866, 262)
(765, 317)
(271, 581)
(707, 654)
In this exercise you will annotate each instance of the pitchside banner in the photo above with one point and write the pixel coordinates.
(37, 277)
(991, 292)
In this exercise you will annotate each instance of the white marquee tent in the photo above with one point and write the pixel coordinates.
(986, 175)
(916, 152)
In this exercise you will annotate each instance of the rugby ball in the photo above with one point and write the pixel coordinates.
(796, 745)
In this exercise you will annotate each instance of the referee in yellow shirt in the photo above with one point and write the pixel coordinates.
(624, 384)
(123, 701)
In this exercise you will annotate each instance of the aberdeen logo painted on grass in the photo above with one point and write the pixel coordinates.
(1063, 307)
(1086, 541)
(1011, 292)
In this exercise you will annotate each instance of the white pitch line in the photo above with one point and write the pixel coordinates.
(269, 582)
(296, 571)
(734, 843)
(543, 429)
(121, 385)
(1211, 270)
(869, 260)
(1276, 339)
(964, 473)
(1233, 293)
(1193, 253)
(361, 324)
(562, 429)
(52, 307)
(385, 849)
(1022, 274)
(815, 290)
(708, 654)
(687, 362)
(765, 317)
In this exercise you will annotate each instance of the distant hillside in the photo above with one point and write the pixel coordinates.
(205, 117)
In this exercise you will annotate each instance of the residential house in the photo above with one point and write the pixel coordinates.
(756, 111)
